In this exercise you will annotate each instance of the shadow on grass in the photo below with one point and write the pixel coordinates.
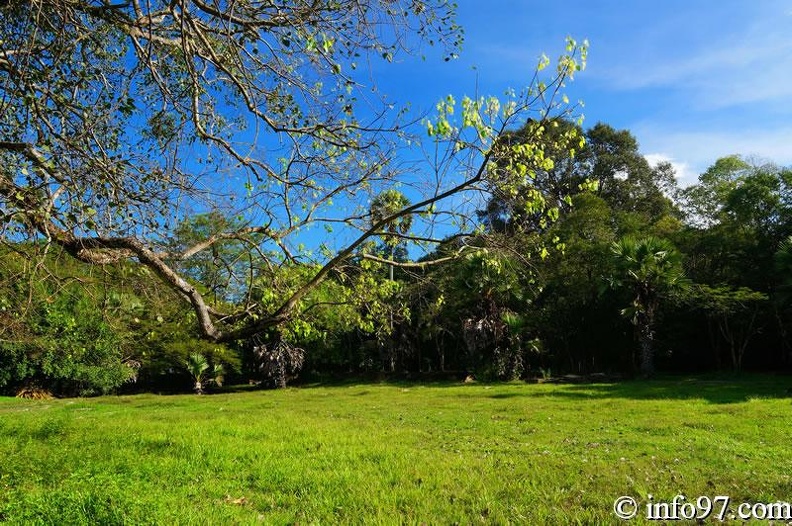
(725, 389)
(714, 388)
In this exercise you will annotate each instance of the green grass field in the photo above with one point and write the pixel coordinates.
(389, 454)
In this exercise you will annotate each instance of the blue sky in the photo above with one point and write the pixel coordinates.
(693, 80)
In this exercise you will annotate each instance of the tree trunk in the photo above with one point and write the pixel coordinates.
(440, 350)
(646, 341)
(714, 344)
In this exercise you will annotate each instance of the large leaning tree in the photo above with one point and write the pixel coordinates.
(121, 120)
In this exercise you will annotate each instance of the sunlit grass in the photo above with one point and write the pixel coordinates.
(439, 454)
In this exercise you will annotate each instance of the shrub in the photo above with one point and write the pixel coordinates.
(66, 348)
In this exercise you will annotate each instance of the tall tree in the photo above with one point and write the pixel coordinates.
(570, 310)
(626, 181)
(605, 160)
(703, 202)
(739, 213)
(735, 313)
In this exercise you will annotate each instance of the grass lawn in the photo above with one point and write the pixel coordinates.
(385, 454)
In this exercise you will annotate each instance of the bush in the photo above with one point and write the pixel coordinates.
(68, 349)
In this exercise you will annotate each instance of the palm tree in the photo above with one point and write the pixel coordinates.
(649, 269)
(197, 365)
(385, 205)
(199, 368)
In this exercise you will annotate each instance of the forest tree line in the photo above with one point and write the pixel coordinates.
(628, 273)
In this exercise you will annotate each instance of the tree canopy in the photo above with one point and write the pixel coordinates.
(120, 121)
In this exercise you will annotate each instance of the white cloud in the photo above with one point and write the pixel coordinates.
(684, 173)
(693, 151)
(750, 66)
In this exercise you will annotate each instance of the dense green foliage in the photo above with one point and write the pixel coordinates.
(687, 279)
(618, 271)
(77, 330)
(385, 454)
